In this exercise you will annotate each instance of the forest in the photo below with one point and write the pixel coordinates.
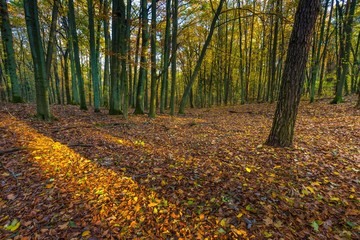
(179, 119)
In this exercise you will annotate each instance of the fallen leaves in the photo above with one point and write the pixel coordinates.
(185, 177)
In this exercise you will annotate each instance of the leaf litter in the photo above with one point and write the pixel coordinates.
(205, 175)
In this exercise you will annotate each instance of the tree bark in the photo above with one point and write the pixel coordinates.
(282, 131)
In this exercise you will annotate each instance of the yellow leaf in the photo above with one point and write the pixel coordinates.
(135, 199)
(155, 210)
(239, 215)
(311, 190)
(223, 222)
(137, 207)
(85, 233)
(248, 169)
(239, 232)
(15, 227)
(153, 204)
(133, 224)
(267, 234)
(202, 217)
(336, 199)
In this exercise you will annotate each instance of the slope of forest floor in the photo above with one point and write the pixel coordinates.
(205, 175)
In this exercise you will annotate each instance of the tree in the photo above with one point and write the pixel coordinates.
(175, 9)
(93, 58)
(7, 39)
(153, 60)
(316, 60)
(201, 58)
(75, 45)
(37, 53)
(282, 131)
(165, 75)
(106, 81)
(345, 46)
(139, 108)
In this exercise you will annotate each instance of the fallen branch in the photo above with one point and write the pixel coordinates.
(2, 152)
(69, 128)
(80, 145)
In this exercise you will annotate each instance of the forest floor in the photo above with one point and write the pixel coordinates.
(204, 175)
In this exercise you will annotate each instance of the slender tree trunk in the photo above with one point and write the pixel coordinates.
(106, 81)
(316, 64)
(174, 56)
(75, 45)
(324, 54)
(126, 55)
(153, 60)
(139, 108)
(282, 131)
(137, 49)
(37, 53)
(10, 62)
(66, 76)
(52, 38)
(93, 57)
(166, 58)
(345, 55)
(201, 58)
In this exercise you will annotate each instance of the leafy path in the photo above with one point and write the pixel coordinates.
(203, 175)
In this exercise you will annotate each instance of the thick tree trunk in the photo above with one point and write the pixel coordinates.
(118, 32)
(282, 131)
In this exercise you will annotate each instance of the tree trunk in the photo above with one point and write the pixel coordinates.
(282, 131)
(118, 32)
(139, 108)
(37, 53)
(166, 58)
(10, 64)
(345, 53)
(153, 60)
(174, 56)
(75, 42)
(107, 55)
(93, 58)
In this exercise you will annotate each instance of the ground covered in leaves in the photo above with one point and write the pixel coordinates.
(205, 175)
